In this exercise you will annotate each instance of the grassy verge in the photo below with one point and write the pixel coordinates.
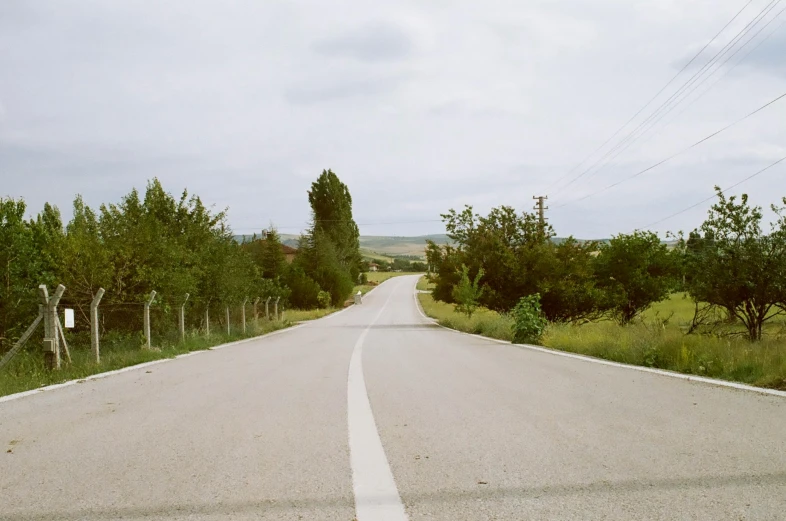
(483, 322)
(643, 343)
(26, 371)
(424, 284)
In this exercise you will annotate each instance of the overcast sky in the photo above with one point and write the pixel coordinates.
(417, 106)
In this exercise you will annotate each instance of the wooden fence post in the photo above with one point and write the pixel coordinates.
(148, 303)
(94, 343)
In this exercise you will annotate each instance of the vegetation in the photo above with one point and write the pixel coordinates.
(616, 299)
(650, 342)
(26, 371)
(177, 247)
(528, 320)
(466, 293)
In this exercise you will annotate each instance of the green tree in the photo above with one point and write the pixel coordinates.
(331, 206)
(273, 261)
(466, 293)
(635, 271)
(21, 269)
(732, 264)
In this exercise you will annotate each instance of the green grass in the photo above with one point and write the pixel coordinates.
(646, 342)
(26, 371)
(483, 322)
(424, 284)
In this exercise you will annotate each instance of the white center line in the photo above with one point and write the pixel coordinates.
(376, 495)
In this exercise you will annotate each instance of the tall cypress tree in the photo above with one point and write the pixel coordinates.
(331, 206)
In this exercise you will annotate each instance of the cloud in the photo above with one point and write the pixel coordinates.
(372, 43)
(342, 90)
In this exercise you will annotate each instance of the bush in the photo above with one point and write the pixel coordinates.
(528, 320)
(363, 279)
(323, 298)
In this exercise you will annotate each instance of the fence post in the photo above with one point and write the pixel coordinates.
(94, 324)
(51, 340)
(243, 314)
(229, 328)
(207, 319)
(267, 308)
(256, 314)
(276, 306)
(183, 319)
(148, 303)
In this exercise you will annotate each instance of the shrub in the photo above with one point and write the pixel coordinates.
(323, 298)
(528, 320)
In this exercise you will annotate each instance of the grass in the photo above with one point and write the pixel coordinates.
(26, 371)
(483, 322)
(424, 284)
(645, 343)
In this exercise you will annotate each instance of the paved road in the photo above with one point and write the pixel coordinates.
(377, 414)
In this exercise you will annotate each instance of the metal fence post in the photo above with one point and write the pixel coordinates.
(183, 319)
(94, 344)
(51, 340)
(243, 314)
(148, 303)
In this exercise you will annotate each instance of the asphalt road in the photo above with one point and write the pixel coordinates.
(377, 414)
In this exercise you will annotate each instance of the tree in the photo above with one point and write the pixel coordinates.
(466, 293)
(635, 271)
(732, 264)
(21, 271)
(331, 206)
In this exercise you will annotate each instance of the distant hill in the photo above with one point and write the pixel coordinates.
(378, 247)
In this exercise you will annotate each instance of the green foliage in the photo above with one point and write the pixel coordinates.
(528, 320)
(466, 293)
(329, 254)
(323, 299)
(635, 271)
(304, 289)
(518, 258)
(331, 206)
(730, 263)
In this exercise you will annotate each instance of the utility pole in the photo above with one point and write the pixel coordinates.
(541, 208)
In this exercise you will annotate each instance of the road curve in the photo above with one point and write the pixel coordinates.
(377, 414)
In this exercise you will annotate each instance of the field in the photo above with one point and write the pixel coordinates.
(647, 342)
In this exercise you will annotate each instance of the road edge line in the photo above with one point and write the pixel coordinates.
(587, 358)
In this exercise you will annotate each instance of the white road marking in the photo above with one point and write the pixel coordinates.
(376, 494)
(662, 372)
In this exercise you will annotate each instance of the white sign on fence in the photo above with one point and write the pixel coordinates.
(69, 318)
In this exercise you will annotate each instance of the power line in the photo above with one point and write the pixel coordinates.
(693, 88)
(651, 99)
(632, 136)
(637, 174)
(715, 195)
(719, 78)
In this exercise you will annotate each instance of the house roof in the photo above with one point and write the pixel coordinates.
(288, 250)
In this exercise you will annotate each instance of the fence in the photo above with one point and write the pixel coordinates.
(146, 320)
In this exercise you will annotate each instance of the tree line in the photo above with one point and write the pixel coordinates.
(731, 266)
(175, 246)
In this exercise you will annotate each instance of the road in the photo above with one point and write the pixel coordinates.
(377, 414)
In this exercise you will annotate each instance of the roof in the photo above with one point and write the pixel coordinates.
(288, 250)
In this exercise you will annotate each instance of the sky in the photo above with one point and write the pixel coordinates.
(419, 107)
